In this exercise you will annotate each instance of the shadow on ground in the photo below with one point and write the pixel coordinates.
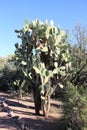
(44, 124)
(7, 123)
(32, 124)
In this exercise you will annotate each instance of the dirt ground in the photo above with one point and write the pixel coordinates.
(24, 111)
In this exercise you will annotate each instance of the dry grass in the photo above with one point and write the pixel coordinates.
(55, 109)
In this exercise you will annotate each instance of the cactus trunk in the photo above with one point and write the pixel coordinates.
(37, 101)
(46, 107)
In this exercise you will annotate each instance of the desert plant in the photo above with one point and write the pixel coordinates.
(43, 58)
(75, 107)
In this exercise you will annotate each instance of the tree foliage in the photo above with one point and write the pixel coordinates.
(79, 54)
(75, 106)
(7, 74)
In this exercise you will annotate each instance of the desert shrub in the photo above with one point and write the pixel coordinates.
(75, 107)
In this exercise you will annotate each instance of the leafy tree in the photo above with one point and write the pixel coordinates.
(7, 74)
(44, 59)
(80, 36)
(2, 62)
(75, 106)
(79, 53)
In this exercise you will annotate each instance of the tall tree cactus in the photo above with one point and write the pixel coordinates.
(44, 59)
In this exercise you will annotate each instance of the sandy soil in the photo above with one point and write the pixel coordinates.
(24, 109)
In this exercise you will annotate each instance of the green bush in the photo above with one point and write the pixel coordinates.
(75, 107)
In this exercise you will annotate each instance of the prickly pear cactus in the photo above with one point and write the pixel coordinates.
(43, 52)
